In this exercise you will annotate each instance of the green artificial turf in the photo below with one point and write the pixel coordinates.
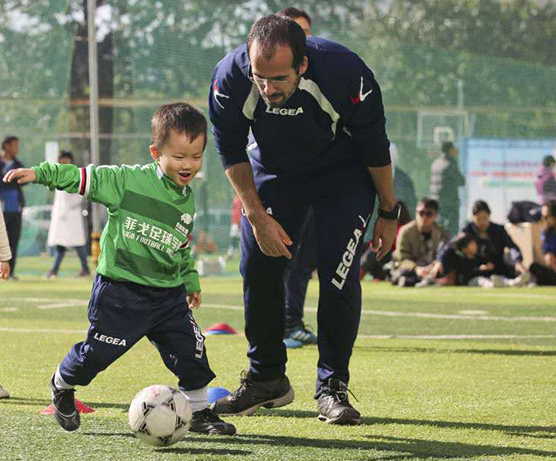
(491, 397)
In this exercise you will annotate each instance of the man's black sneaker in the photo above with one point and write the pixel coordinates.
(334, 407)
(207, 422)
(251, 395)
(65, 412)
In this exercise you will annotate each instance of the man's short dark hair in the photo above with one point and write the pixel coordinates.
(462, 241)
(447, 147)
(429, 203)
(66, 154)
(273, 31)
(8, 140)
(181, 117)
(551, 205)
(548, 161)
(480, 205)
(295, 13)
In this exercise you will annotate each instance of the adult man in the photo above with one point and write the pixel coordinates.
(446, 179)
(316, 113)
(12, 196)
(417, 245)
(546, 275)
(300, 269)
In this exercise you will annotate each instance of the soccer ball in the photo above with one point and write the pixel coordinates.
(160, 415)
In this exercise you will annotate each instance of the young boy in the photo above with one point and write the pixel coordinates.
(5, 256)
(146, 281)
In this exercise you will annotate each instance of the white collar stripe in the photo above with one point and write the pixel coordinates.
(251, 103)
(313, 89)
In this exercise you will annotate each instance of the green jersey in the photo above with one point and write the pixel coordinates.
(149, 220)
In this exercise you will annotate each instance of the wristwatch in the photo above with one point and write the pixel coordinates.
(393, 214)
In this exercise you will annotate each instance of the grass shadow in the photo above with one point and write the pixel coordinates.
(415, 448)
(109, 434)
(511, 430)
(204, 451)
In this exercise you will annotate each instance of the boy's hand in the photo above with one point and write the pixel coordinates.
(194, 300)
(4, 270)
(23, 175)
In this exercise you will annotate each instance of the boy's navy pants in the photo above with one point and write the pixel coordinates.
(342, 200)
(121, 313)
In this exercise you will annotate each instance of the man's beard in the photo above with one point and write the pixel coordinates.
(285, 98)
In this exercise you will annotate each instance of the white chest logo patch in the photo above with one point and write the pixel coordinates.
(283, 111)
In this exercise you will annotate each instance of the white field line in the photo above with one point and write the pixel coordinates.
(55, 331)
(486, 293)
(424, 315)
(456, 336)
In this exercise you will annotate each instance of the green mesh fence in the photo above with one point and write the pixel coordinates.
(457, 68)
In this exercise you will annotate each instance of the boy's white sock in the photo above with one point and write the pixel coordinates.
(59, 381)
(198, 398)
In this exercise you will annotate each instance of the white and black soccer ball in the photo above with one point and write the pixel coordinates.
(160, 415)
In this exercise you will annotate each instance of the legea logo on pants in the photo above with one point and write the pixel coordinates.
(110, 340)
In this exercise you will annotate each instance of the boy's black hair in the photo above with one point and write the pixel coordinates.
(272, 31)
(8, 140)
(548, 161)
(66, 154)
(180, 117)
(462, 241)
(447, 146)
(429, 203)
(480, 205)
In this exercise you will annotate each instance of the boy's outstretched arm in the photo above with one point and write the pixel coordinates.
(21, 176)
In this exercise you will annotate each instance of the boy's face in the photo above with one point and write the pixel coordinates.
(471, 250)
(180, 158)
(548, 218)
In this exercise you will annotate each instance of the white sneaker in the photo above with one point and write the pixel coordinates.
(498, 281)
(521, 280)
(4, 394)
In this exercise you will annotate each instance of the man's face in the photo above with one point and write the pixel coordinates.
(65, 161)
(453, 152)
(425, 216)
(548, 218)
(180, 158)
(12, 149)
(275, 78)
(482, 220)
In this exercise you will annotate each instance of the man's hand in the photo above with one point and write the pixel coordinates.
(520, 268)
(23, 175)
(384, 235)
(436, 269)
(194, 300)
(271, 236)
(4, 270)
(487, 267)
(423, 271)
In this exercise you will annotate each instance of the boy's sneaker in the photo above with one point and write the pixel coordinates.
(4, 394)
(207, 422)
(292, 343)
(65, 412)
(334, 407)
(51, 275)
(251, 395)
(302, 334)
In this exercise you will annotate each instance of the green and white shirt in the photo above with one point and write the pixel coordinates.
(149, 219)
